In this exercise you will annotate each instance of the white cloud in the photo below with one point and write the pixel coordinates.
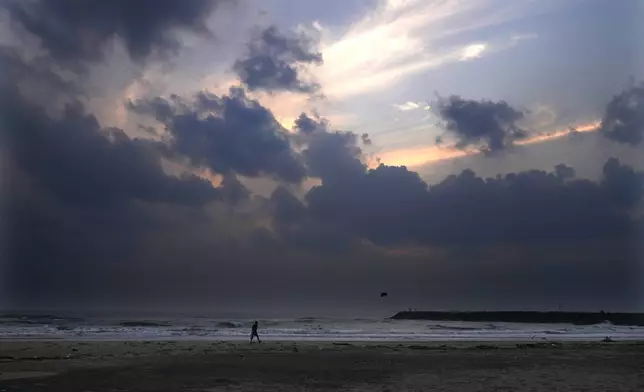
(409, 105)
(403, 37)
(472, 51)
(398, 38)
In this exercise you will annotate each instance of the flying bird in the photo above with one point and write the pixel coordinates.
(383, 294)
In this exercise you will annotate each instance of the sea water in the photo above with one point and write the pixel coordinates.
(21, 326)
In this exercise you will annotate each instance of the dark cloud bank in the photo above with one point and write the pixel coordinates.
(91, 218)
(273, 62)
(77, 30)
(486, 125)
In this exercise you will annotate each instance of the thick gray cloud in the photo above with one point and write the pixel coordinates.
(274, 62)
(286, 207)
(90, 215)
(36, 75)
(518, 234)
(228, 134)
(73, 198)
(490, 126)
(108, 168)
(295, 227)
(111, 201)
(72, 30)
(392, 205)
(623, 120)
(307, 125)
(332, 156)
(382, 205)
(623, 185)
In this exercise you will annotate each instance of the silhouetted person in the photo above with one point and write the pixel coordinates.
(253, 333)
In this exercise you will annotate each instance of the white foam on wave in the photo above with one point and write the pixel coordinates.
(324, 330)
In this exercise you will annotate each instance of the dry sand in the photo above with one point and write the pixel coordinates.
(282, 366)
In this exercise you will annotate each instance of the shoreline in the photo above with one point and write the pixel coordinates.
(626, 340)
(51, 328)
(211, 366)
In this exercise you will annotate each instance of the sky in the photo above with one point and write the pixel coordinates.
(305, 156)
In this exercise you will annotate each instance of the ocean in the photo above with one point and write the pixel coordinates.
(44, 326)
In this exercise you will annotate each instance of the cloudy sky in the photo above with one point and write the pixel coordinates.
(305, 156)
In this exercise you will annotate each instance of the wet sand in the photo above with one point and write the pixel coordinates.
(307, 366)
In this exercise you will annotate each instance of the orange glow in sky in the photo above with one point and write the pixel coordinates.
(417, 156)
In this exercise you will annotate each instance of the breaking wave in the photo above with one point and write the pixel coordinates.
(305, 328)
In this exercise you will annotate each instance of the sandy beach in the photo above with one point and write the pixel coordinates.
(286, 366)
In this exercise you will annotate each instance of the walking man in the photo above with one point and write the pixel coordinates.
(254, 334)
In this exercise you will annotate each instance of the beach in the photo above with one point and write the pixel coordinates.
(163, 365)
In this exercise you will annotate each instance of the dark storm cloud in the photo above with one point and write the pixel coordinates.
(274, 62)
(307, 125)
(490, 126)
(72, 30)
(392, 205)
(570, 275)
(38, 71)
(296, 228)
(80, 163)
(74, 198)
(91, 214)
(228, 134)
(623, 120)
(232, 190)
(287, 208)
(319, 238)
(564, 172)
(527, 206)
(622, 184)
(334, 156)
(382, 205)
(159, 108)
(77, 198)
(515, 235)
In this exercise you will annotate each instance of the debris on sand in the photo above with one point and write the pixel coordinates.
(540, 345)
(486, 347)
(418, 347)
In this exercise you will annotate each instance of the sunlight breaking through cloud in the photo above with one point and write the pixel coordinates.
(472, 51)
(400, 38)
(416, 156)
